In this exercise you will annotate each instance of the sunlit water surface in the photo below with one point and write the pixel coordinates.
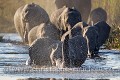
(14, 56)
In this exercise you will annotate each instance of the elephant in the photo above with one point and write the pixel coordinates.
(83, 6)
(72, 55)
(92, 37)
(28, 16)
(39, 51)
(96, 15)
(96, 36)
(67, 19)
(75, 46)
(103, 31)
(43, 30)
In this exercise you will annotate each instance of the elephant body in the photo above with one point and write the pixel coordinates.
(103, 30)
(71, 55)
(43, 30)
(92, 37)
(83, 6)
(74, 46)
(96, 36)
(27, 17)
(77, 51)
(39, 51)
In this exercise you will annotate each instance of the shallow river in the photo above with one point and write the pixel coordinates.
(14, 56)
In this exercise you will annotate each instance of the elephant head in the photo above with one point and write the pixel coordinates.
(96, 15)
(27, 17)
(83, 6)
(68, 18)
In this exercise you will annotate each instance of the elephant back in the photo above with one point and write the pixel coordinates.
(103, 30)
(48, 30)
(39, 51)
(92, 36)
(77, 50)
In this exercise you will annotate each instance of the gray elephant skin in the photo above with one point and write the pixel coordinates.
(103, 30)
(39, 51)
(83, 6)
(43, 30)
(72, 55)
(96, 15)
(74, 47)
(92, 36)
(66, 20)
(27, 17)
(96, 36)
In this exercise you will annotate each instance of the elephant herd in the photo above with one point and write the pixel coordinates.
(62, 39)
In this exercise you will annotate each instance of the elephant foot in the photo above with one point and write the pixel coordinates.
(94, 56)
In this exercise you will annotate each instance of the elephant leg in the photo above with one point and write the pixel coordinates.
(26, 30)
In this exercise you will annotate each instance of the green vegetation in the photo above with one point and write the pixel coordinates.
(112, 7)
(114, 39)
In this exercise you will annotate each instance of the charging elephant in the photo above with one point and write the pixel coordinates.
(27, 17)
(43, 30)
(83, 6)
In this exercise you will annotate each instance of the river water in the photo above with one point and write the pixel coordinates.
(13, 59)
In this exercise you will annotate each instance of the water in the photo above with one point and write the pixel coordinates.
(14, 56)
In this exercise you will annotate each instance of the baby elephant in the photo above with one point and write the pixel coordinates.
(43, 30)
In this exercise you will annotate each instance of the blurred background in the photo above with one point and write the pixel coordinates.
(8, 8)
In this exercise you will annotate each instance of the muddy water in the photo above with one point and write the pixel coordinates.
(13, 58)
